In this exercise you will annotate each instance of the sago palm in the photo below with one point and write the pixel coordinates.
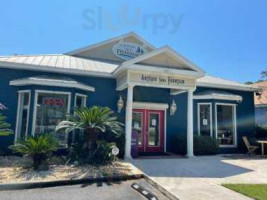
(93, 122)
(38, 148)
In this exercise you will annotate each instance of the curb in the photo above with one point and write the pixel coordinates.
(160, 188)
(65, 182)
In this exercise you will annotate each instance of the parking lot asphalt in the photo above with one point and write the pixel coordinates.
(102, 191)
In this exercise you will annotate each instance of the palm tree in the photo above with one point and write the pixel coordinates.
(93, 122)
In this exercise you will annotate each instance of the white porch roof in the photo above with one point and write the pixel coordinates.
(222, 95)
(51, 81)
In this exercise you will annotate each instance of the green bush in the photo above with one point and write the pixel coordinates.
(119, 140)
(203, 145)
(261, 131)
(95, 125)
(101, 155)
(38, 148)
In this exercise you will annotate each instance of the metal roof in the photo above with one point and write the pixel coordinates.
(83, 66)
(60, 61)
(216, 82)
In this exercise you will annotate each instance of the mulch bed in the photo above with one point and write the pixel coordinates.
(14, 169)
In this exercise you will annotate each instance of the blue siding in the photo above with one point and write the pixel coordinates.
(106, 95)
(245, 114)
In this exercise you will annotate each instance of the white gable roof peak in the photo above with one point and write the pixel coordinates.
(167, 50)
(119, 38)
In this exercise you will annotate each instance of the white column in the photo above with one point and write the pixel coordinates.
(190, 146)
(128, 122)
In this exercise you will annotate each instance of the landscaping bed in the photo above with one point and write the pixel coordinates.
(14, 169)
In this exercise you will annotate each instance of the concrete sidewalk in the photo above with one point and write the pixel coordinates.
(201, 177)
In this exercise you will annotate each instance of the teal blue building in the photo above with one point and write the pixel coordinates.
(156, 91)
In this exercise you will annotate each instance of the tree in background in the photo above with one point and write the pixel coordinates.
(264, 74)
(263, 78)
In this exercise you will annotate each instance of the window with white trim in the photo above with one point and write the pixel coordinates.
(23, 115)
(50, 109)
(205, 119)
(80, 101)
(226, 124)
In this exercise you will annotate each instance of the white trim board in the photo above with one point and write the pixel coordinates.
(198, 117)
(150, 106)
(19, 113)
(163, 70)
(235, 124)
(220, 97)
(51, 82)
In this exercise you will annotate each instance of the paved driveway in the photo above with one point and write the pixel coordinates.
(201, 177)
(106, 191)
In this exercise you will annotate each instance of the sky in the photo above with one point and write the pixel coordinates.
(226, 38)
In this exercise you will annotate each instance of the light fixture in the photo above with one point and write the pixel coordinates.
(173, 108)
(120, 104)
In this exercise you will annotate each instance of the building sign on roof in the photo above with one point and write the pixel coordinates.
(128, 50)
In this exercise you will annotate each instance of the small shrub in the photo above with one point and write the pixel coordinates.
(103, 154)
(203, 145)
(118, 139)
(100, 155)
(38, 148)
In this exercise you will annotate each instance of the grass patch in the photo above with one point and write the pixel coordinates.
(255, 191)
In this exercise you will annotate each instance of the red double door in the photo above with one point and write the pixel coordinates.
(150, 127)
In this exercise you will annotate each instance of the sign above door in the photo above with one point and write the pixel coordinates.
(155, 79)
